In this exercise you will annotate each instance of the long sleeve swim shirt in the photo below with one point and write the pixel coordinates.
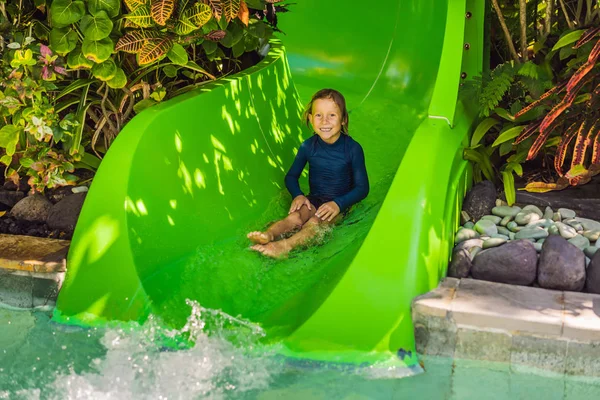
(336, 172)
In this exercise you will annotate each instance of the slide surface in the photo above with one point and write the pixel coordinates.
(166, 217)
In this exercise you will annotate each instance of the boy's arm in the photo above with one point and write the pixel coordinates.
(360, 178)
(291, 178)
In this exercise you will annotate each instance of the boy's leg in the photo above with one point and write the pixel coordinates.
(281, 248)
(290, 223)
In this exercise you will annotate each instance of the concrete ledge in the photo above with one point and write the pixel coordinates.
(522, 326)
(31, 270)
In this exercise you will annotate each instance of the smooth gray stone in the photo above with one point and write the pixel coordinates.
(495, 219)
(480, 200)
(531, 233)
(486, 227)
(590, 251)
(567, 213)
(460, 265)
(548, 213)
(493, 242)
(500, 236)
(573, 223)
(506, 220)
(544, 223)
(541, 241)
(511, 235)
(469, 225)
(538, 246)
(524, 218)
(580, 241)
(597, 244)
(503, 231)
(592, 281)
(532, 208)
(561, 265)
(589, 224)
(474, 251)
(468, 244)
(592, 235)
(566, 231)
(553, 230)
(557, 217)
(512, 263)
(587, 262)
(512, 225)
(506, 211)
(464, 217)
(500, 203)
(465, 234)
(484, 237)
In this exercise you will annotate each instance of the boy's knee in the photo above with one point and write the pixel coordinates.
(295, 219)
(314, 221)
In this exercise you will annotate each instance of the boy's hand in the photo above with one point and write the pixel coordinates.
(298, 202)
(328, 211)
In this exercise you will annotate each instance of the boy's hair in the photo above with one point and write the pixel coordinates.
(330, 94)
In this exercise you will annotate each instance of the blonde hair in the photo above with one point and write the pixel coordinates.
(337, 98)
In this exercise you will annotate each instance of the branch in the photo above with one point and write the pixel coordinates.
(564, 10)
(523, 21)
(511, 45)
(549, 13)
(578, 12)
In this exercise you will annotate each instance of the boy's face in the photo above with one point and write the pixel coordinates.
(326, 120)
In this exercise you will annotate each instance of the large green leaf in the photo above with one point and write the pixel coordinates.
(482, 129)
(569, 38)
(9, 137)
(112, 7)
(66, 12)
(178, 55)
(96, 27)
(76, 60)
(508, 135)
(63, 40)
(118, 81)
(509, 187)
(78, 84)
(105, 71)
(97, 50)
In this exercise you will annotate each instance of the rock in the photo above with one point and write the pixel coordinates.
(589, 224)
(506, 211)
(553, 230)
(500, 202)
(587, 263)
(474, 251)
(538, 246)
(34, 208)
(464, 217)
(590, 251)
(469, 225)
(56, 195)
(592, 235)
(561, 265)
(79, 189)
(541, 241)
(64, 214)
(557, 217)
(503, 231)
(580, 241)
(592, 281)
(532, 208)
(548, 213)
(495, 219)
(499, 236)
(480, 200)
(493, 242)
(566, 231)
(512, 263)
(486, 227)
(10, 198)
(544, 223)
(512, 226)
(506, 220)
(524, 218)
(567, 213)
(531, 233)
(511, 235)
(468, 244)
(573, 223)
(597, 244)
(460, 266)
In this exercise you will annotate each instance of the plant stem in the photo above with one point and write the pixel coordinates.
(509, 41)
(549, 13)
(589, 13)
(564, 10)
(578, 12)
(523, 21)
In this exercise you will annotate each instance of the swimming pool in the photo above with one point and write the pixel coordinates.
(40, 359)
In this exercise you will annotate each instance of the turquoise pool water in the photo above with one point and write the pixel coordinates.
(42, 360)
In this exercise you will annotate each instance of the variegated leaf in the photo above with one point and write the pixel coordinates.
(561, 150)
(184, 26)
(580, 179)
(587, 36)
(134, 41)
(231, 8)
(141, 17)
(527, 132)
(244, 14)
(199, 14)
(216, 7)
(215, 36)
(580, 144)
(543, 187)
(132, 5)
(555, 89)
(595, 53)
(154, 49)
(161, 10)
(596, 149)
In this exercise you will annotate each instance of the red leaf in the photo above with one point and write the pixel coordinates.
(587, 36)
(527, 132)
(561, 150)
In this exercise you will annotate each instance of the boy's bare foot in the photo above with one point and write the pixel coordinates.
(272, 249)
(259, 237)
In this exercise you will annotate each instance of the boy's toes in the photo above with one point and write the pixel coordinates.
(258, 247)
(259, 237)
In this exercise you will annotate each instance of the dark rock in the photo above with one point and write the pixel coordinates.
(34, 208)
(468, 244)
(561, 266)
(64, 214)
(22, 186)
(592, 281)
(513, 263)
(10, 198)
(461, 264)
(56, 195)
(480, 200)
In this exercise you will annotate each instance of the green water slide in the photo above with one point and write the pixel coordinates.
(166, 217)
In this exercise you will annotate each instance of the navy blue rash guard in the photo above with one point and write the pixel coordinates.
(335, 171)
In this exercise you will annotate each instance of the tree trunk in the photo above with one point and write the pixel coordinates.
(564, 10)
(509, 41)
(549, 15)
(523, 21)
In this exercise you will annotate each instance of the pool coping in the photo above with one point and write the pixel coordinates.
(32, 270)
(556, 331)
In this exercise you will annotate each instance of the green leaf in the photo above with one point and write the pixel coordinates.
(142, 105)
(63, 40)
(504, 114)
(482, 160)
(482, 129)
(74, 86)
(76, 60)
(178, 55)
(6, 160)
(159, 94)
(97, 50)
(118, 81)
(91, 160)
(105, 71)
(508, 135)
(505, 148)
(66, 12)
(141, 17)
(26, 162)
(209, 46)
(239, 48)
(567, 39)
(96, 27)
(553, 141)
(170, 71)
(529, 69)
(509, 187)
(112, 7)
(9, 136)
